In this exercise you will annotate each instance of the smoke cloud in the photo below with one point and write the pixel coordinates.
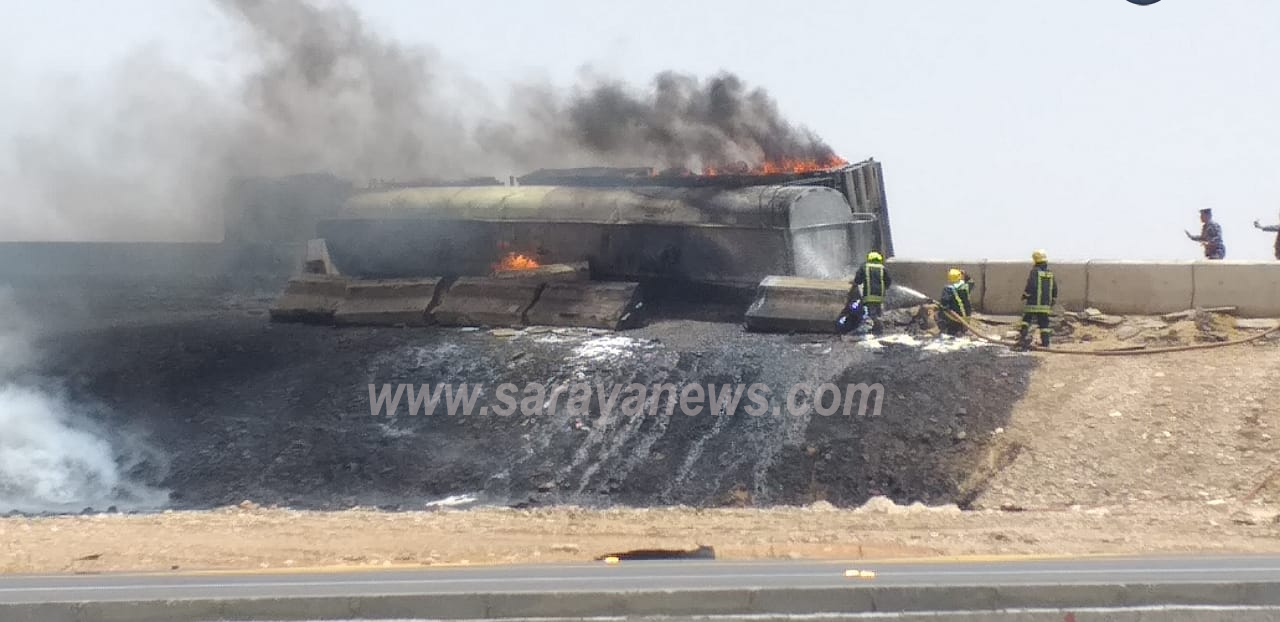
(147, 154)
(679, 122)
(52, 457)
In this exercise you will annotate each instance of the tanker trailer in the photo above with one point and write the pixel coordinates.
(707, 235)
(389, 254)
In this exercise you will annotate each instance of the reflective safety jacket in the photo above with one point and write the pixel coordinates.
(874, 280)
(1041, 292)
(955, 297)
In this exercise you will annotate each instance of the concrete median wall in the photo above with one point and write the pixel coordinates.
(1141, 287)
(1004, 281)
(1123, 287)
(1252, 287)
(929, 276)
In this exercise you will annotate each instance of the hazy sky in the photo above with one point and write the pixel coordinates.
(1092, 128)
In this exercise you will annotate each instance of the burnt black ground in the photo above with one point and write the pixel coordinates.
(240, 408)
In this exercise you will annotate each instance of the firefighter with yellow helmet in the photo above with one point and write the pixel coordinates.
(1038, 299)
(955, 299)
(873, 282)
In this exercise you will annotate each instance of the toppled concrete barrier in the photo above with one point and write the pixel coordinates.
(487, 301)
(579, 271)
(310, 298)
(389, 302)
(591, 305)
(795, 304)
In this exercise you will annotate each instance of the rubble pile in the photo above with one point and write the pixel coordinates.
(1095, 328)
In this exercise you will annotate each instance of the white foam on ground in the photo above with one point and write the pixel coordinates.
(454, 501)
(394, 432)
(883, 505)
(902, 339)
(549, 338)
(952, 344)
(605, 348)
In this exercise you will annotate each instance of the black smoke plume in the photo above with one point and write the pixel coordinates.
(148, 152)
(679, 122)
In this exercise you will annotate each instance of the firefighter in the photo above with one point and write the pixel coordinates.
(1272, 228)
(1210, 236)
(873, 282)
(955, 298)
(1038, 300)
(852, 315)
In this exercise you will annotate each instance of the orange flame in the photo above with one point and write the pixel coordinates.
(516, 261)
(785, 165)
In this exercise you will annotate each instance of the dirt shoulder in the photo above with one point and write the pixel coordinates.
(1189, 427)
(236, 539)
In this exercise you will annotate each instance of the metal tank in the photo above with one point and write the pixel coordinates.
(730, 236)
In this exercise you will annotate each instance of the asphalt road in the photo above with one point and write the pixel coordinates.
(639, 575)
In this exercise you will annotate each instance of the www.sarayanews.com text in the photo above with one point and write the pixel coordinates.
(826, 399)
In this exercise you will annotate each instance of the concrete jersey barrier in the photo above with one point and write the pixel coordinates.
(1005, 281)
(310, 298)
(1140, 288)
(795, 304)
(388, 302)
(1253, 288)
(608, 305)
(487, 301)
(929, 276)
(1124, 287)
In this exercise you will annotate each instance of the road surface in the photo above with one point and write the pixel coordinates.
(1115, 589)
(641, 575)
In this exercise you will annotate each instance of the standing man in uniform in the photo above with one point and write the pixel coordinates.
(1210, 236)
(1275, 228)
(1038, 300)
(873, 281)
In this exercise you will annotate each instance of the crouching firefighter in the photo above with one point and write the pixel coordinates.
(873, 280)
(955, 298)
(1038, 300)
(853, 314)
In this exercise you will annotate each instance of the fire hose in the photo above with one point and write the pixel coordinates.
(1196, 346)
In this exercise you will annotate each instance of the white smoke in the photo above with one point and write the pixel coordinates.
(52, 457)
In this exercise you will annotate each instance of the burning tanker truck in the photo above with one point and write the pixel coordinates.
(584, 247)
